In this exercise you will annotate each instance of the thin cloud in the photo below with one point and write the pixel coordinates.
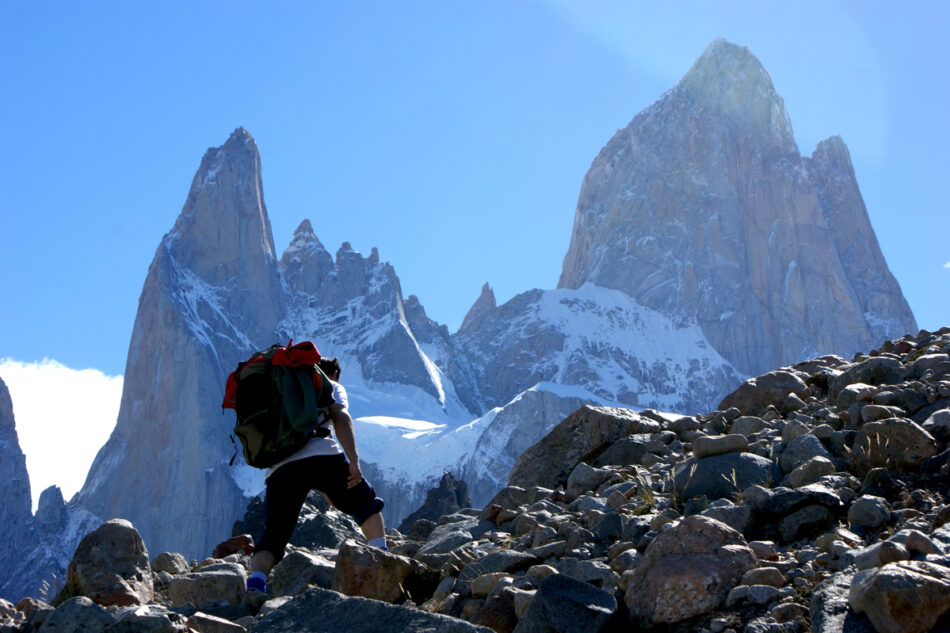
(947, 265)
(63, 417)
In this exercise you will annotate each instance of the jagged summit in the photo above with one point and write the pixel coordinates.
(485, 303)
(6, 408)
(703, 209)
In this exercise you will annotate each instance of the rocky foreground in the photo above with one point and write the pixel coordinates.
(814, 499)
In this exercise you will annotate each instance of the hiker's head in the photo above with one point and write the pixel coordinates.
(331, 367)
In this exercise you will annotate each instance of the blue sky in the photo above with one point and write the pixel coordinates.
(453, 136)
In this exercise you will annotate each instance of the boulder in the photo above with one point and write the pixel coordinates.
(903, 597)
(111, 566)
(879, 370)
(240, 543)
(77, 615)
(686, 571)
(800, 450)
(583, 479)
(712, 445)
(171, 563)
(449, 496)
(565, 604)
(299, 570)
(811, 471)
(894, 443)
(869, 512)
(225, 582)
(498, 611)
(370, 572)
(830, 611)
(582, 436)
(755, 394)
(323, 611)
(723, 476)
(626, 451)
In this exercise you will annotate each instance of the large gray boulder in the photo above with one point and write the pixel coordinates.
(323, 611)
(567, 605)
(686, 571)
(111, 566)
(582, 436)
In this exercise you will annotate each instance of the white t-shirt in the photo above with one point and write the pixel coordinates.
(317, 445)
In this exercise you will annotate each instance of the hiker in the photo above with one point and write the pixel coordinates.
(319, 465)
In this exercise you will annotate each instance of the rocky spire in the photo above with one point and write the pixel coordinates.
(702, 208)
(212, 295)
(16, 514)
(484, 303)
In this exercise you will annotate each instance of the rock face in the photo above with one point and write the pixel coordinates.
(703, 209)
(16, 511)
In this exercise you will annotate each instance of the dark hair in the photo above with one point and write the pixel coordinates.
(331, 367)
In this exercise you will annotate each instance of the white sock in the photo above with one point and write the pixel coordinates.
(379, 542)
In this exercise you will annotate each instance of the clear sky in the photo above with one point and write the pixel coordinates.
(453, 136)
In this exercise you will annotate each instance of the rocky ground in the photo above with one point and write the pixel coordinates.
(814, 499)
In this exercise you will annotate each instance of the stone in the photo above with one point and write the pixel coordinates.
(903, 597)
(583, 479)
(854, 393)
(77, 615)
(342, 613)
(582, 436)
(747, 425)
(171, 563)
(482, 585)
(224, 583)
(239, 543)
(873, 371)
(498, 612)
(687, 570)
(565, 604)
(713, 476)
(874, 412)
(111, 566)
(370, 572)
(764, 576)
(811, 471)
(500, 560)
(800, 450)
(806, 521)
(709, 446)
(830, 610)
(938, 425)
(626, 451)
(896, 443)
(205, 623)
(299, 570)
(869, 512)
(755, 394)
(445, 538)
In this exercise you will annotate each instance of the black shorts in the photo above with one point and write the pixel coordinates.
(289, 485)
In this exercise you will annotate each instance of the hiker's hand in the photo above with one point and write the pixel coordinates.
(356, 475)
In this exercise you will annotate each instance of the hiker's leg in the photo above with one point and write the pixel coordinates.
(373, 527)
(262, 561)
(285, 494)
(360, 501)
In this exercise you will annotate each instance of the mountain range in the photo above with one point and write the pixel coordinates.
(705, 249)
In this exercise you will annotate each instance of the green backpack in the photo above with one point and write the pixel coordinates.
(280, 397)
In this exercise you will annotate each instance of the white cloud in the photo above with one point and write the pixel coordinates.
(947, 265)
(63, 417)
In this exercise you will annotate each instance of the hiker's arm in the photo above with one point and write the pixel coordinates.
(343, 428)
